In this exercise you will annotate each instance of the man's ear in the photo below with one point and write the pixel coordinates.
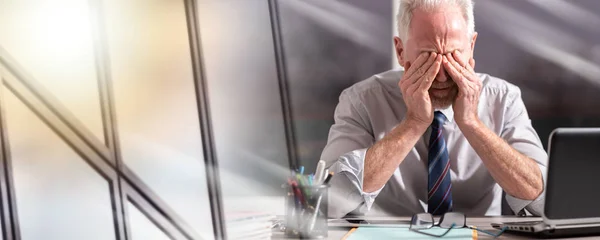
(473, 40)
(399, 46)
(471, 59)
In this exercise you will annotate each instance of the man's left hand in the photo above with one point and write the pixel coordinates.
(469, 88)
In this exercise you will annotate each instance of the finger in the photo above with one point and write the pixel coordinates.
(413, 83)
(420, 72)
(457, 56)
(472, 63)
(455, 74)
(407, 66)
(407, 69)
(463, 70)
(417, 70)
(431, 73)
(414, 90)
(411, 89)
(465, 86)
(402, 83)
(421, 59)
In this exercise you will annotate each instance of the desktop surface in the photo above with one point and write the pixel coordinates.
(479, 222)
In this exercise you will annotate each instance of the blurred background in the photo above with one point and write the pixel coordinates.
(114, 113)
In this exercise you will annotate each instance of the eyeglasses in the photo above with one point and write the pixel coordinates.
(449, 221)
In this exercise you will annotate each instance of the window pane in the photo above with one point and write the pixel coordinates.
(156, 106)
(244, 97)
(58, 195)
(326, 58)
(245, 104)
(52, 41)
(141, 227)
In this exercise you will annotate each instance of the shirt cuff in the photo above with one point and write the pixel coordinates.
(344, 198)
(536, 206)
(347, 184)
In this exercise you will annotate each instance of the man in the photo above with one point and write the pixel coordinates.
(436, 137)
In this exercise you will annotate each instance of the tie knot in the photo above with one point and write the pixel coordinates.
(438, 119)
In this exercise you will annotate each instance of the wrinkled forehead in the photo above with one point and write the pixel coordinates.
(439, 29)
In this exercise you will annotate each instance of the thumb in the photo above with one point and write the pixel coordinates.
(472, 63)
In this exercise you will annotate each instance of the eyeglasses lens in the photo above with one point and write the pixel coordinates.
(422, 221)
(452, 220)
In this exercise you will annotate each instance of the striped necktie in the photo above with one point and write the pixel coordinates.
(439, 186)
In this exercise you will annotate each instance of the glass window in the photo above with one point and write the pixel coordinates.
(52, 41)
(244, 97)
(155, 100)
(245, 104)
(58, 195)
(141, 227)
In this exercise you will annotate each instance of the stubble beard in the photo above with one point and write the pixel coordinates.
(444, 101)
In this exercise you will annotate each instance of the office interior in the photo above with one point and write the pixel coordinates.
(154, 119)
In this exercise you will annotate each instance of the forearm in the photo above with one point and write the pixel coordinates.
(516, 173)
(384, 157)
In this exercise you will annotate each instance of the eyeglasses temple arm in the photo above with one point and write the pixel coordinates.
(431, 234)
(490, 233)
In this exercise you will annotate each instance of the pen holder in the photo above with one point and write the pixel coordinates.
(306, 211)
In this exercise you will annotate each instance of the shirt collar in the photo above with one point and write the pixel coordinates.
(448, 112)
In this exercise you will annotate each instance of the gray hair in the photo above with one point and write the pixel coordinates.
(405, 12)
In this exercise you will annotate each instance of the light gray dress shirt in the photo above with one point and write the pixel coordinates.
(370, 109)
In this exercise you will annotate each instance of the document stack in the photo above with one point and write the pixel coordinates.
(249, 225)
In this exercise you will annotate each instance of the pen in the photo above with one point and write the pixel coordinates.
(320, 172)
(328, 178)
(301, 170)
(324, 175)
(299, 197)
(301, 182)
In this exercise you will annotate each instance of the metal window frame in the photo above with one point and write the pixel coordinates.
(111, 137)
(156, 217)
(8, 209)
(203, 104)
(284, 92)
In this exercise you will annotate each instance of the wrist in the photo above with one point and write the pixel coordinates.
(469, 124)
(417, 126)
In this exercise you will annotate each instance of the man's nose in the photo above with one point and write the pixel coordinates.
(442, 76)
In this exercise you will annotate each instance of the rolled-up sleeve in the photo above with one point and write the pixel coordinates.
(348, 141)
(520, 134)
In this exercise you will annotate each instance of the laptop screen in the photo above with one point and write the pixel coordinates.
(573, 188)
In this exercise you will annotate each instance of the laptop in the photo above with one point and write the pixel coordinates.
(572, 204)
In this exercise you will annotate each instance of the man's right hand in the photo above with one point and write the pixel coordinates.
(384, 157)
(415, 84)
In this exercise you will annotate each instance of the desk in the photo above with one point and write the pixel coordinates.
(479, 222)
